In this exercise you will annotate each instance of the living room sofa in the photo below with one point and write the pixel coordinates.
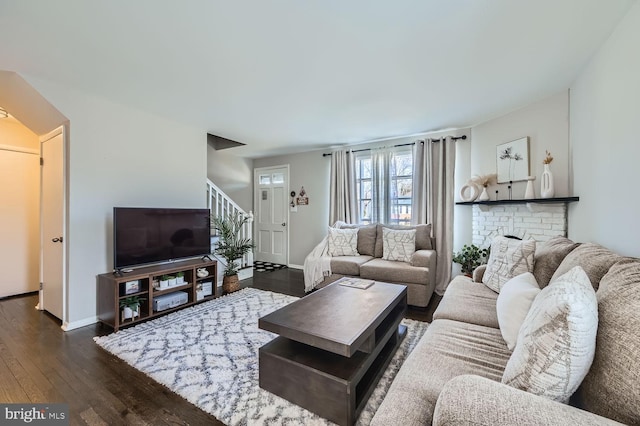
(419, 274)
(454, 374)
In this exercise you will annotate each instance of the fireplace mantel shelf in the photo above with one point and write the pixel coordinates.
(522, 201)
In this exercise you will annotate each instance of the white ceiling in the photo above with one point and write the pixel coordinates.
(289, 75)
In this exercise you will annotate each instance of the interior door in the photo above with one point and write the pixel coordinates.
(19, 239)
(52, 224)
(271, 221)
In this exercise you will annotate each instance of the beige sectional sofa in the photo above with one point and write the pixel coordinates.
(419, 275)
(453, 376)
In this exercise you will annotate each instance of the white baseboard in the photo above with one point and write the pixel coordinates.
(68, 326)
(292, 266)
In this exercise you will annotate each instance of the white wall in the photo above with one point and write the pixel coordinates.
(309, 224)
(118, 156)
(604, 137)
(232, 174)
(546, 123)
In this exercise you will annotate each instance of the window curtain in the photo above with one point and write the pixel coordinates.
(433, 199)
(342, 192)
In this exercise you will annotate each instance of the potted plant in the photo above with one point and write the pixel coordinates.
(172, 281)
(470, 257)
(231, 246)
(130, 307)
(179, 278)
(164, 282)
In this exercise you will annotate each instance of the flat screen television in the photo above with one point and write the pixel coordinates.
(153, 235)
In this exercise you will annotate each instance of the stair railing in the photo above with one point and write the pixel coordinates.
(220, 204)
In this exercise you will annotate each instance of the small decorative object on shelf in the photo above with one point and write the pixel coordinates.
(164, 282)
(202, 272)
(130, 307)
(547, 189)
(469, 191)
(179, 278)
(470, 257)
(529, 193)
(484, 181)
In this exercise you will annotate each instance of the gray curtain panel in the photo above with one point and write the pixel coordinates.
(433, 199)
(342, 200)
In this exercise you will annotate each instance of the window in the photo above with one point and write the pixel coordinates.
(384, 185)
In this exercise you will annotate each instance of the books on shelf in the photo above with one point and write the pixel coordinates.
(356, 282)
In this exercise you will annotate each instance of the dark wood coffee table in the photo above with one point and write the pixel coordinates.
(333, 347)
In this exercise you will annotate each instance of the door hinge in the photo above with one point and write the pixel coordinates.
(41, 286)
(41, 161)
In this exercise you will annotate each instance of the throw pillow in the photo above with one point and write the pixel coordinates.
(366, 238)
(398, 245)
(508, 258)
(557, 340)
(423, 236)
(513, 304)
(548, 257)
(343, 242)
(595, 259)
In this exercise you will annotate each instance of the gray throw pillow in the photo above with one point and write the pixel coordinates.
(549, 255)
(366, 238)
(594, 259)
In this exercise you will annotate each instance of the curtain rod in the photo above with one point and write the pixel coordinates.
(455, 138)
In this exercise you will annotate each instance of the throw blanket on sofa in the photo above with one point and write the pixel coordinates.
(317, 265)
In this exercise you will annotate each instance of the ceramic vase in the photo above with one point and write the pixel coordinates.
(529, 193)
(547, 189)
(484, 196)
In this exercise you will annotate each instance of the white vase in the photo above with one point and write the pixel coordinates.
(547, 189)
(484, 196)
(529, 193)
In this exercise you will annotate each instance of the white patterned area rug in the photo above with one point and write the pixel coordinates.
(208, 354)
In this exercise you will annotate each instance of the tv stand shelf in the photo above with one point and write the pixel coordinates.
(115, 287)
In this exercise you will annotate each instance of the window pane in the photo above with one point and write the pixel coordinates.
(404, 187)
(265, 179)
(278, 178)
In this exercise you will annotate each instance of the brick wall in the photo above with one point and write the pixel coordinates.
(544, 222)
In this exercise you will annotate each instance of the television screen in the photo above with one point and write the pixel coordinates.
(151, 235)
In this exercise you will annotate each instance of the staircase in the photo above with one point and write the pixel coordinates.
(219, 204)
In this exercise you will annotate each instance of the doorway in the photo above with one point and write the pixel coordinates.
(271, 220)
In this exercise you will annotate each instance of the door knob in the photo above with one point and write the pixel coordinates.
(57, 240)
(284, 224)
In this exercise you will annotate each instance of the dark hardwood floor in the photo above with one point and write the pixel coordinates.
(40, 363)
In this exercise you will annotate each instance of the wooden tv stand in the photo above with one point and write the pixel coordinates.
(112, 289)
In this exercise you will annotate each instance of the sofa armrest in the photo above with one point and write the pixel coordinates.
(424, 259)
(478, 273)
(475, 400)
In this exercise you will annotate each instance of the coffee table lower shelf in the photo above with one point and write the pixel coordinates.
(330, 385)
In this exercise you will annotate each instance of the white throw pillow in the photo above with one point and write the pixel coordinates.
(343, 242)
(508, 258)
(513, 304)
(557, 340)
(398, 245)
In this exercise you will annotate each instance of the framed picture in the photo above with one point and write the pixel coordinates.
(512, 160)
(132, 287)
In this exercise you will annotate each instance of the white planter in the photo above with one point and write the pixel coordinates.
(179, 280)
(128, 313)
(164, 284)
(172, 282)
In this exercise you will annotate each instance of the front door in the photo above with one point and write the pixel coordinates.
(52, 224)
(272, 214)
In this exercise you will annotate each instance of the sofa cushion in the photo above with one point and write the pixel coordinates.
(612, 386)
(447, 349)
(508, 259)
(557, 340)
(366, 238)
(348, 265)
(395, 272)
(423, 237)
(548, 257)
(343, 242)
(469, 302)
(513, 305)
(398, 245)
(594, 259)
